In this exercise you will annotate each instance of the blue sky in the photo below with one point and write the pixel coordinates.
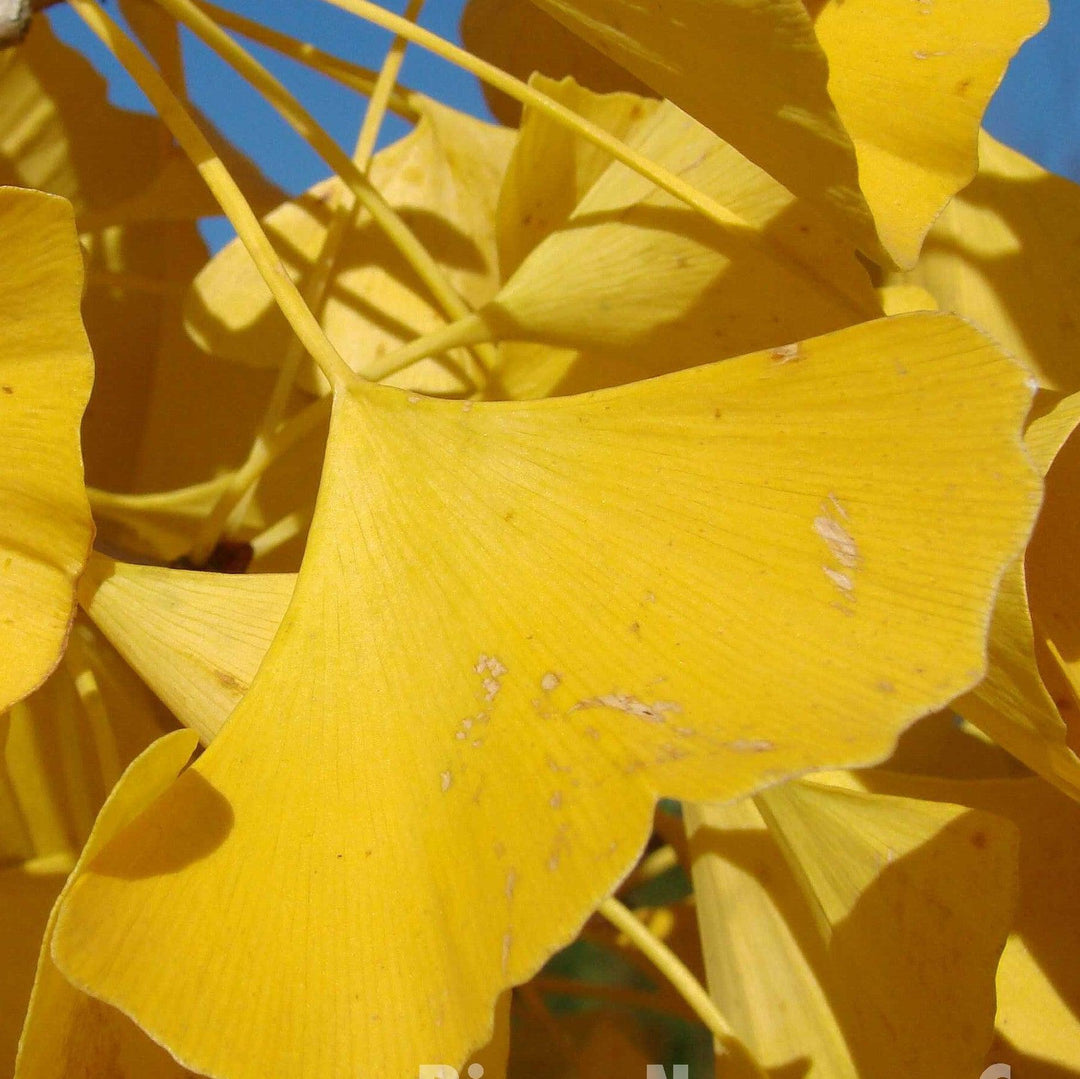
(1037, 109)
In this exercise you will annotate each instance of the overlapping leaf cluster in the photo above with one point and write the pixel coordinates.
(702, 431)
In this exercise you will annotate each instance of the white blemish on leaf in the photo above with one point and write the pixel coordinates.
(466, 725)
(837, 538)
(838, 506)
(841, 580)
(650, 597)
(445, 779)
(491, 669)
(511, 882)
(557, 847)
(414, 398)
(490, 665)
(786, 353)
(466, 406)
(751, 745)
(549, 681)
(507, 944)
(556, 800)
(623, 702)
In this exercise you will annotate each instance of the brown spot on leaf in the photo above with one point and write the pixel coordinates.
(230, 681)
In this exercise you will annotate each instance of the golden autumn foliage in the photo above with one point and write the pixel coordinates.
(559, 595)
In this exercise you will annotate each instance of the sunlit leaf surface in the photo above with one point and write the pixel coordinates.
(197, 638)
(63, 1026)
(45, 374)
(792, 913)
(1005, 253)
(1029, 700)
(444, 179)
(494, 658)
(870, 109)
(589, 243)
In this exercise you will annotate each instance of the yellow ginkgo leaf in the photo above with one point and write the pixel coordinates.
(66, 744)
(901, 299)
(135, 277)
(911, 80)
(60, 133)
(1026, 702)
(65, 1026)
(45, 375)
(162, 526)
(444, 179)
(1038, 977)
(516, 625)
(777, 275)
(1005, 253)
(1012, 704)
(136, 198)
(551, 170)
(520, 38)
(159, 526)
(869, 109)
(196, 638)
(945, 744)
(63, 747)
(858, 934)
(27, 894)
(61, 751)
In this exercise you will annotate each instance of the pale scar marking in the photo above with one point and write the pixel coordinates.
(841, 580)
(786, 353)
(550, 681)
(751, 745)
(837, 538)
(623, 702)
(491, 669)
(557, 847)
